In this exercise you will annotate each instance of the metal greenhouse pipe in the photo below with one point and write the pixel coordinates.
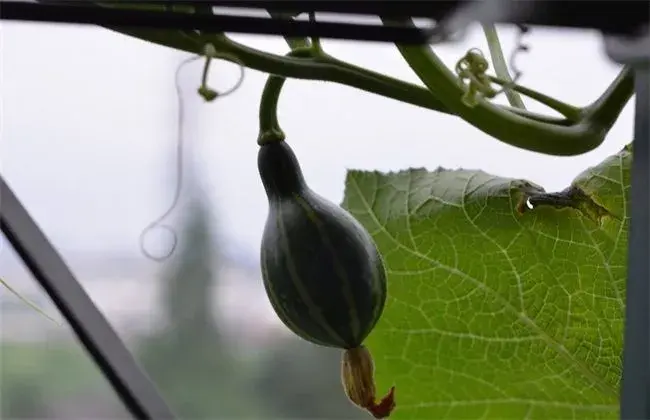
(635, 389)
(132, 386)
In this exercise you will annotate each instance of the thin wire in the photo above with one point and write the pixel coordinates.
(516, 52)
(158, 223)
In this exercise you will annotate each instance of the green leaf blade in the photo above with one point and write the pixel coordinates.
(492, 313)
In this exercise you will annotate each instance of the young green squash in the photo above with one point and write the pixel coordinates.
(321, 269)
(322, 272)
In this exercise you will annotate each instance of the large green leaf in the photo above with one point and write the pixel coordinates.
(495, 310)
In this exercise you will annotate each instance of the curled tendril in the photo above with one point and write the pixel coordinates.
(209, 95)
(473, 66)
(521, 47)
(204, 90)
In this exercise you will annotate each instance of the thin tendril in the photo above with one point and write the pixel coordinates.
(158, 223)
(237, 84)
(204, 90)
(28, 302)
(179, 173)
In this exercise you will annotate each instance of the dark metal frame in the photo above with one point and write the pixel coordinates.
(89, 325)
(93, 330)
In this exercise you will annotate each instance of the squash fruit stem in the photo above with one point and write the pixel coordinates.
(357, 375)
(270, 130)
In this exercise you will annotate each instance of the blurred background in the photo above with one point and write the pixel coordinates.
(88, 143)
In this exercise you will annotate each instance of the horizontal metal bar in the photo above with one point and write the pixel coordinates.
(84, 14)
(437, 9)
(609, 16)
(635, 390)
(133, 387)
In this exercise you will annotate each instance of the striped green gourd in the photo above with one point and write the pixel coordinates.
(322, 272)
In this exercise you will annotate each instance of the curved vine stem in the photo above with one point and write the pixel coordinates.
(270, 130)
(517, 127)
(339, 71)
(499, 63)
(508, 127)
(326, 68)
(570, 112)
(604, 111)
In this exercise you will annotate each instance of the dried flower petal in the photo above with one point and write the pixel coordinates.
(357, 375)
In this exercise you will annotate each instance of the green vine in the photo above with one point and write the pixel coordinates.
(578, 131)
(270, 130)
(324, 68)
(473, 67)
(516, 130)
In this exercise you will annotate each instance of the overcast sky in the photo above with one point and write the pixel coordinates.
(89, 128)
